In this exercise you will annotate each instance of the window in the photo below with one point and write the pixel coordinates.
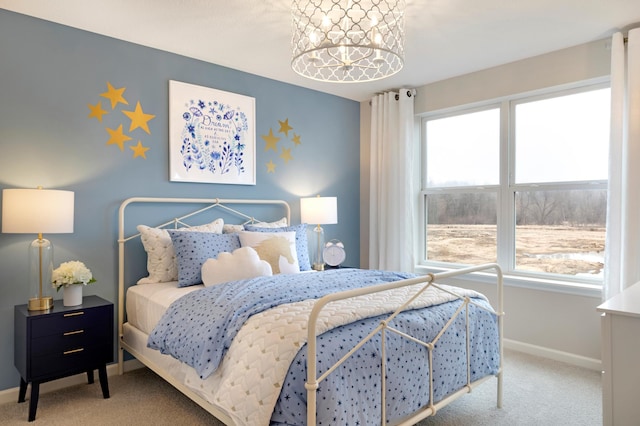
(521, 182)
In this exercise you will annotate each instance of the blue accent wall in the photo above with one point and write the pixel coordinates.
(50, 73)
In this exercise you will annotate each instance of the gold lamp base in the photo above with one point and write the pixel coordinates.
(318, 266)
(40, 303)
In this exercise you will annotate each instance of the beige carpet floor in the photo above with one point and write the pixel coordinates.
(537, 391)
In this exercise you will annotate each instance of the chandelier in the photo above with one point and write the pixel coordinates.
(347, 40)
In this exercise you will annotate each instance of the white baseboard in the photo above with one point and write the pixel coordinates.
(11, 395)
(569, 358)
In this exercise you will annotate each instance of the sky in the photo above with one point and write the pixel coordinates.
(558, 139)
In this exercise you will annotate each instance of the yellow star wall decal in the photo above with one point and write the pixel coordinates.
(139, 150)
(286, 155)
(138, 120)
(271, 143)
(117, 137)
(97, 111)
(271, 167)
(284, 127)
(114, 95)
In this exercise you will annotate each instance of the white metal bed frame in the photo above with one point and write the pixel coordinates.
(313, 379)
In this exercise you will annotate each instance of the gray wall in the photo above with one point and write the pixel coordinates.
(49, 74)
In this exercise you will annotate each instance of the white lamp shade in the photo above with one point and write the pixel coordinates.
(319, 210)
(35, 211)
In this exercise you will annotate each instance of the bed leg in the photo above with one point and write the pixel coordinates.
(500, 389)
(120, 360)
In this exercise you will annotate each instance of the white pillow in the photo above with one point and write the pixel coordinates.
(277, 248)
(161, 258)
(241, 264)
(230, 229)
(277, 224)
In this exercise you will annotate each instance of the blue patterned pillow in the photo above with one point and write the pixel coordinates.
(302, 247)
(194, 248)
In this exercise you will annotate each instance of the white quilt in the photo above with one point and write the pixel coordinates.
(248, 381)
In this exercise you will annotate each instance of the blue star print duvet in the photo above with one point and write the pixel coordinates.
(199, 328)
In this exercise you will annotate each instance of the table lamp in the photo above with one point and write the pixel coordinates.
(318, 211)
(38, 211)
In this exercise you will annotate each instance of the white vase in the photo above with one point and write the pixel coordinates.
(72, 295)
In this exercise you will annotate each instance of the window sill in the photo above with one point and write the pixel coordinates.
(531, 283)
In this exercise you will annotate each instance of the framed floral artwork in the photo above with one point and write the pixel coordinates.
(212, 136)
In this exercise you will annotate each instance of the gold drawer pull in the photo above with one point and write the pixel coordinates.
(74, 314)
(73, 351)
(70, 333)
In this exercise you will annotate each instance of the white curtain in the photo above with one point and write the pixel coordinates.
(392, 194)
(622, 255)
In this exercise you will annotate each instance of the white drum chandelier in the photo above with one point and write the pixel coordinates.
(347, 40)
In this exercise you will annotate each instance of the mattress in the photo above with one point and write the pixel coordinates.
(147, 302)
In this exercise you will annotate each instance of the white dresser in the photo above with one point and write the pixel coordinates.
(621, 358)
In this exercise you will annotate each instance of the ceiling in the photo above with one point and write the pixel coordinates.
(444, 38)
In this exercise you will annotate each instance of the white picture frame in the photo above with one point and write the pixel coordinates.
(212, 135)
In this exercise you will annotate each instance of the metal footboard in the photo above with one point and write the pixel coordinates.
(314, 380)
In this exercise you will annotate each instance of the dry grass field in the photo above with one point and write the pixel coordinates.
(552, 249)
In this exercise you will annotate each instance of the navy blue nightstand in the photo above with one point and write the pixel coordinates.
(61, 342)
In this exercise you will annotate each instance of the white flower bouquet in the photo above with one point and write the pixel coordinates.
(69, 273)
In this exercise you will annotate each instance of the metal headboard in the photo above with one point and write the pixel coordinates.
(210, 203)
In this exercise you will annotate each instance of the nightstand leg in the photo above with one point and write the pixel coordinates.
(33, 403)
(104, 384)
(23, 390)
(90, 376)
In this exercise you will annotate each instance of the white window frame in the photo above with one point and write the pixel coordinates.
(505, 192)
